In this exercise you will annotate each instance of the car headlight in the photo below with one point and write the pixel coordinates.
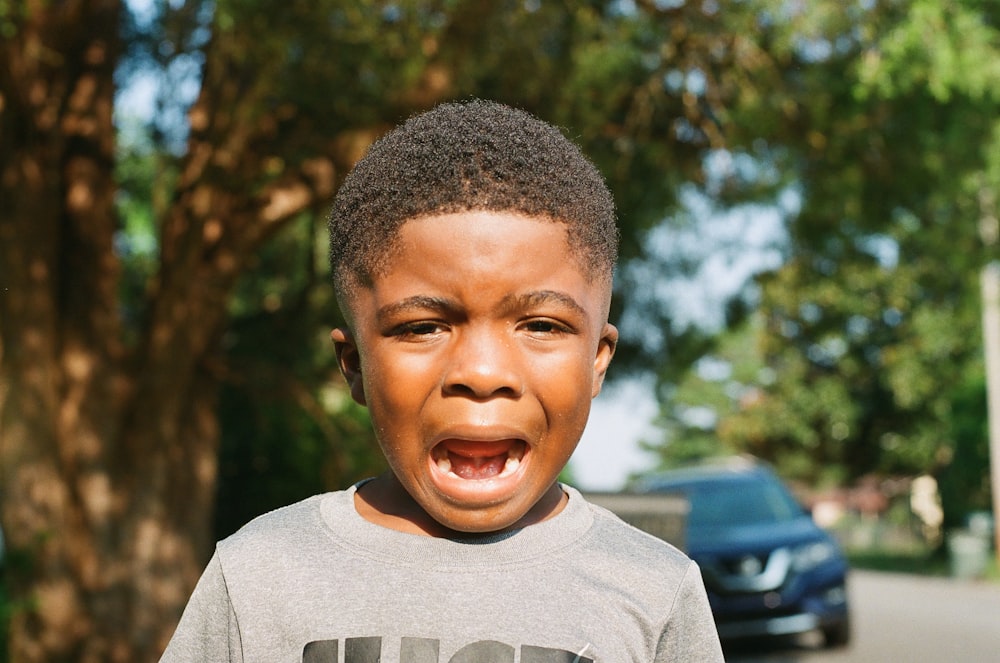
(811, 555)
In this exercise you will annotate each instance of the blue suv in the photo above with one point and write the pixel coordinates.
(769, 569)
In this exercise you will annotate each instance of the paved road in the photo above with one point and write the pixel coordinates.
(902, 618)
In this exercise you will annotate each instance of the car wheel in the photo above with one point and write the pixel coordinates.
(838, 635)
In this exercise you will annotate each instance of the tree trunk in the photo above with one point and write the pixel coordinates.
(75, 511)
(107, 462)
(108, 451)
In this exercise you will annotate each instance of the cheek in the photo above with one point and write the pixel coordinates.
(396, 389)
(569, 396)
(392, 376)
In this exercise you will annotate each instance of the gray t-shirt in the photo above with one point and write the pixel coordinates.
(316, 583)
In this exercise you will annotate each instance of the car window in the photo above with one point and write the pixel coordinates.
(739, 502)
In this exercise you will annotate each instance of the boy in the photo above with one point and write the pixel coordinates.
(472, 251)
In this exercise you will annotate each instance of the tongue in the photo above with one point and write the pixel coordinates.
(477, 468)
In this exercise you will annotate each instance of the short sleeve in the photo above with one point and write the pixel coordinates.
(208, 631)
(690, 634)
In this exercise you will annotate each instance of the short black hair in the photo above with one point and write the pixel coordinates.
(465, 156)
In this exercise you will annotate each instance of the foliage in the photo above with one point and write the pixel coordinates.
(965, 486)
(647, 110)
(841, 372)
(289, 429)
(166, 343)
(5, 610)
(867, 338)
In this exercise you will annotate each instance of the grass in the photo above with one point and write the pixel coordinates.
(916, 561)
(894, 544)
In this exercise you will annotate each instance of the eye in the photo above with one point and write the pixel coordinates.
(422, 328)
(545, 326)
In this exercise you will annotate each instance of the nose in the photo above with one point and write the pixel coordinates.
(483, 364)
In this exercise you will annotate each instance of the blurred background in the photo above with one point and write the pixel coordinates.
(808, 199)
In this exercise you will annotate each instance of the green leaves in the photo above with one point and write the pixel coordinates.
(947, 48)
(879, 118)
(864, 338)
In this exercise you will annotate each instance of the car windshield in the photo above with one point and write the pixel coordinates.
(739, 502)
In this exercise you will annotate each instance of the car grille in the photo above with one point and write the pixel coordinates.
(748, 573)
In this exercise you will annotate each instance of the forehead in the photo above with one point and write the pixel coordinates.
(479, 251)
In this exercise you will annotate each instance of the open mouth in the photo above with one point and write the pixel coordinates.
(478, 460)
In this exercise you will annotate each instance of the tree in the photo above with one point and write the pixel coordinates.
(870, 329)
(113, 360)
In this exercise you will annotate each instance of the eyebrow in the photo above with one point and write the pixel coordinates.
(541, 297)
(449, 306)
(417, 302)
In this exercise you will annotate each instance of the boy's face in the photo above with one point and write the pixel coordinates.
(477, 353)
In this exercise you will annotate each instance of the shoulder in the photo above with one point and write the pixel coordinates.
(627, 572)
(614, 554)
(611, 533)
(291, 528)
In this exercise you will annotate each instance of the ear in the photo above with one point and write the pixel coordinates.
(349, 360)
(605, 351)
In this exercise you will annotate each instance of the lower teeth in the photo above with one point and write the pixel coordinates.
(509, 467)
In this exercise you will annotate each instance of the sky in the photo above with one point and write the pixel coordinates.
(731, 247)
(609, 450)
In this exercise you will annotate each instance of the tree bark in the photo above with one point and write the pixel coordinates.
(108, 451)
(63, 385)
